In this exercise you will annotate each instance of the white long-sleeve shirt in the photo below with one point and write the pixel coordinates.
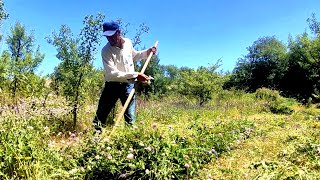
(118, 63)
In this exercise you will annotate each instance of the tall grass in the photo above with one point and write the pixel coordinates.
(173, 138)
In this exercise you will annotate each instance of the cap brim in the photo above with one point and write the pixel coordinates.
(109, 33)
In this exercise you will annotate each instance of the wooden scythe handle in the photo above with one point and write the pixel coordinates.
(132, 91)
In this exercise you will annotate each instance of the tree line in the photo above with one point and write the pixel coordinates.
(292, 69)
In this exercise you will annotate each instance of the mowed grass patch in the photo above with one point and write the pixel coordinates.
(282, 146)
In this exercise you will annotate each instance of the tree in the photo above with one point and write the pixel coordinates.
(165, 80)
(5, 57)
(200, 83)
(165, 77)
(136, 40)
(303, 67)
(93, 84)
(76, 55)
(314, 24)
(170, 71)
(263, 66)
(3, 15)
(23, 59)
(4, 69)
(154, 70)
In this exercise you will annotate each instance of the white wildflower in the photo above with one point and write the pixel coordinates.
(109, 157)
(51, 144)
(187, 165)
(97, 157)
(130, 156)
(148, 148)
(106, 140)
(73, 171)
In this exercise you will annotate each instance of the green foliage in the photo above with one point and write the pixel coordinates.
(24, 150)
(269, 64)
(159, 153)
(300, 160)
(275, 102)
(171, 140)
(200, 83)
(155, 71)
(3, 14)
(263, 66)
(35, 85)
(281, 107)
(76, 54)
(303, 67)
(314, 24)
(267, 94)
(93, 84)
(172, 143)
(4, 70)
(23, 61)
(165, 78)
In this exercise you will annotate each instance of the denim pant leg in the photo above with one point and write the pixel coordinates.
(107, 101)
(130, 111)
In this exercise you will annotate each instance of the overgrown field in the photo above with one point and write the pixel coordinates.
(234, 136)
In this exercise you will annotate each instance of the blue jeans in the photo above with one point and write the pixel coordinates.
(111, 93)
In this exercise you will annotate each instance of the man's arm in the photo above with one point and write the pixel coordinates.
(137, 55)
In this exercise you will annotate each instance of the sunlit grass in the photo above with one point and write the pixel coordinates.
(265, 154)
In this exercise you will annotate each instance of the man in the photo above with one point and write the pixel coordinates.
(117, 57)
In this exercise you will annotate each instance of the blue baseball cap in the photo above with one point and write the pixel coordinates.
(109, 28)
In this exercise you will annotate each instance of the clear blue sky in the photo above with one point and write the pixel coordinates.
(190, 33)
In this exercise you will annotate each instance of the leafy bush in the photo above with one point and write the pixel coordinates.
(153, 151)
(275, 102)
(200, 84)
(267, 94)
(25, 152)
(280, 108)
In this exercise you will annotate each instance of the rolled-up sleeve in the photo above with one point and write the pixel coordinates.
(138, 55)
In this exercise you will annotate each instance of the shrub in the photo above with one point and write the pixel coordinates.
(267, 94)
(154, 151)
(275, 102)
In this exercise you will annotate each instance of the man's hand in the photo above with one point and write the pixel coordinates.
(152, 49)
(143, 78)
